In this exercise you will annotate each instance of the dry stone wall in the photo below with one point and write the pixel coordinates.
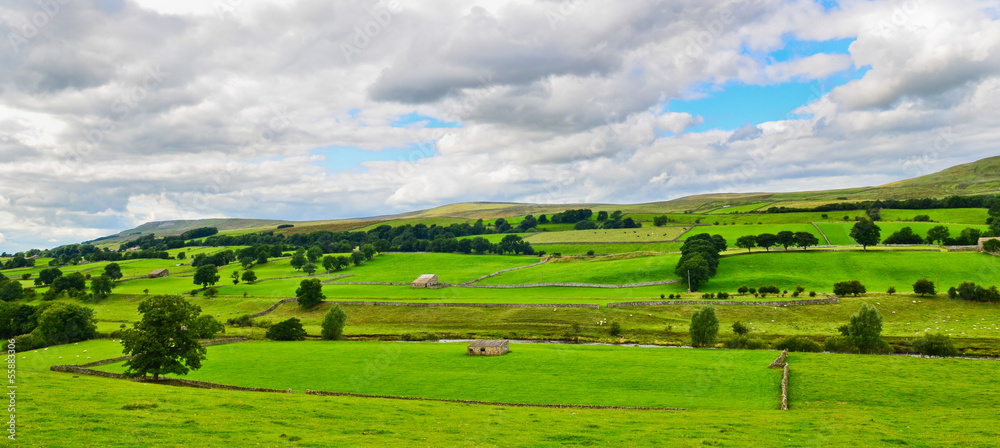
(827, 301)
(574, 285)
(490, 403)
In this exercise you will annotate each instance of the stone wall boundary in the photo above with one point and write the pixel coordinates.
(573, 285)
(491, 403)
(544, 260)
(780, 361)
(784, 389)
(168, 381)
(470, 305)
(830, 300)
(274, 307)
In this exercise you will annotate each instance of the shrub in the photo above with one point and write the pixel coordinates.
(891, 290)
(615, 329)
(211, 292)
(743, 289)
(922, 218)
(241, 321)
(62, 323)
(740, 328)
(745, 343)
(865, 329)
(27, 342)
(812, 293)
(839, 344)
(722, 295)
(935, 345)
(752, 291)
(973, 292)
(704, 327)
(797, 344)
(288, 330)
(992, 246)
(206, 327)
(590, 252)
(849, 287)
(923, 287)
(333, 323)
(309, 293)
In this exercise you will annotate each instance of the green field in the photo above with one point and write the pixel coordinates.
(739, 208)
(731, 233)
(839, 233)
(642, 234)
(617, 248)
(948, 215)
(599, 270)
(531, 373)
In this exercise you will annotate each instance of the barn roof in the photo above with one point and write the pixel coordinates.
(158, 271)
(487, 343)
(426, 278)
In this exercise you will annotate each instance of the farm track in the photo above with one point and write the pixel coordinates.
(821, 232)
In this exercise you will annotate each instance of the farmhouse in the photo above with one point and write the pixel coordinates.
(426, 281)
(159, 273)
(489, 347)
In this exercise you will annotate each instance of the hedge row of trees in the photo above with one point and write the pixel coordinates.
(785, 238)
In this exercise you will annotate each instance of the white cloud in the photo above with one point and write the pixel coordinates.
(569, 110)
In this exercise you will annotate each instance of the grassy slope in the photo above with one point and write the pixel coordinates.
(840, 232)
(608, 235)
(93, 415)
(613, 271)
(731, 233)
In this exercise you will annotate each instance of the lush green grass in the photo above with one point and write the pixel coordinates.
(739, 208)
(617, 248)
(605, 270)
(949, 215)
(779, 218)
(450, 268)
(839, 233)
(821, 381)
(531, 373)
(731, 233)
(609, 235)
(819, 270)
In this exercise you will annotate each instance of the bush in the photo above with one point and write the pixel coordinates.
(935, 345)
(722, 295)
(590, 252)
(288, 330)
(923, 287)
(206, 327)
(740, 328)
(839, 344)
(333, 323)
(704, 327)
(241, 321)
(992, 246)
(745, 343)
(865, 329)
(891, 290)
(27, 342)
(211, 292)
(973, 292)
(62, 323)
(743, 289)
(615, 329)
(812, 293)
(849, 287)
(797, 344)
(310, 293)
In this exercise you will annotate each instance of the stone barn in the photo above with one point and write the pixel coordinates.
(159, 273)
(426, 281)
(489, 347)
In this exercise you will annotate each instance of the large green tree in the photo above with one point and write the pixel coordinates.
(63, 323)
(113, 271)
(10, 290)
(924, 287)
(101, 287)
(206, 275)
(805, 239)
(163, 340)
(333, 323)
(694, 269)
(938, 234)
(704, 327)
(767, 241)
(310, 293)
(786, 238)
(287, 330)
(865, 329)
(746, 242)
(866, 233)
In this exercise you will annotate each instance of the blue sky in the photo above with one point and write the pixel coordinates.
(734, 104)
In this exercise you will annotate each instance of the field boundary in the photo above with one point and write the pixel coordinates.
(492, 403)
(573, 285)
(544, 260)
(829, 300)
(828, 242)
(164, 381)
(470, 305)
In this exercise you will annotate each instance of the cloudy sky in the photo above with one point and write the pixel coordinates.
(118, 112)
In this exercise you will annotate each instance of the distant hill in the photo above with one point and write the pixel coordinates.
(976, 178)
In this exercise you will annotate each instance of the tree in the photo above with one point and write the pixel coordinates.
(247, 261)
(357, 258)
(704, 328)
(206, 275)
(767, 241)
(805, 239)
(10, 291)
(924, 287)
(330, 263)
(63, 323)
(206, 327)
(743, 289)
(287, 330)
(333, 323)
(113, 271)
(786, 238)
(747, 242)
(298, 260)
(849, 287)
(865, 329)
(161, 341)
(101, 287)
(74, 283)
(740, 329)
(658, 221)
(935, 345)
(47, 276)
(314, 253)
(481, 245)
(249, 276)
(310, 293)
(694, 269)
(938, 234)
(309, 268)
(904, 236)
(891, 290)
(369, 250)
(866, 233)
(236, 277)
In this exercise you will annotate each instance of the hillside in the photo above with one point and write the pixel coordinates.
(980, 177)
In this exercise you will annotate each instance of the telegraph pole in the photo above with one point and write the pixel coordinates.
(689, 280)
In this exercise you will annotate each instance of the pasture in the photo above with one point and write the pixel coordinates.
(643, 234)
(946, 215)
(603, 270)
(731, 233)
(840, 233)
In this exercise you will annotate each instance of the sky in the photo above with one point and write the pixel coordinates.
(114, 113)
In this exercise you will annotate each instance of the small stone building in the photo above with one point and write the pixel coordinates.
(489, 347)
(159, 273)
(426, 281)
